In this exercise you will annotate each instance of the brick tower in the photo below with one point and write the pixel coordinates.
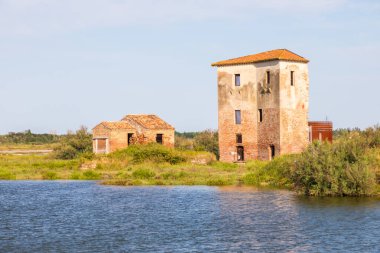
(263, 102)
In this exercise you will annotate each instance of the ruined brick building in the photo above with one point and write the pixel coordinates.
(263, 102)
(109, 136)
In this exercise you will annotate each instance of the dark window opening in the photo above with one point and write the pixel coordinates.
(240, 153)
(237, 117)
(239, 139)
(237, 80)
(130, 139)
(292, 78)
(272, 151)
(260, 115)
(268, 77)
(159, 138)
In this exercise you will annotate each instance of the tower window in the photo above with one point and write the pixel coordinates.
(238, 117)
(292, 78)
(239, 139)
(260, 115)
(237, 79)
(268, 77)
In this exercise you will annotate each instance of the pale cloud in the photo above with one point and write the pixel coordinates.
(25, 17)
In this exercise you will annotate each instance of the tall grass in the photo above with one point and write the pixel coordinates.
(348, 167)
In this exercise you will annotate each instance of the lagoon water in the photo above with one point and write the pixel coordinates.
(83, 216)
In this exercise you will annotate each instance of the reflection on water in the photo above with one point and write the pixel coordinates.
(83, 216)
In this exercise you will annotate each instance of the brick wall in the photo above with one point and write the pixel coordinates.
(284, 109)
(118, 138)
(231, 98)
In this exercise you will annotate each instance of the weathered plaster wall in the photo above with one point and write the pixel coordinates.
(231, 98)
(294, 107)
(168, 136)
(284, 107)
(119, 138)
(268, 101)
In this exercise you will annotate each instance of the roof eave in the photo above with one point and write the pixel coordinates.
(216, 64)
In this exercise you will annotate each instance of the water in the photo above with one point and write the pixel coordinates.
(72, 216)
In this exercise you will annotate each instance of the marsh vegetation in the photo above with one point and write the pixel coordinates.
(348, 167)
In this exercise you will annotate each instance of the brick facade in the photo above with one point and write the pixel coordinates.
(279, 88)
(131, 129)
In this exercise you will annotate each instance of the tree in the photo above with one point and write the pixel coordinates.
(74, 144)
(207, 141)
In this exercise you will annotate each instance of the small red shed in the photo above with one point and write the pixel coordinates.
(320, 130)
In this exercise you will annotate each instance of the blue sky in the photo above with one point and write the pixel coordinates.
(66, 63)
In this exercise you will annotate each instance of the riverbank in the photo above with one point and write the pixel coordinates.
(200, 169)
(348, 167)
(157, 165)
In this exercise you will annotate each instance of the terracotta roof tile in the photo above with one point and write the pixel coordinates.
(117, 125)
(278, 54)
(148, 121)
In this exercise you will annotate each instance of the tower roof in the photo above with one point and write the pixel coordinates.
(277, 54)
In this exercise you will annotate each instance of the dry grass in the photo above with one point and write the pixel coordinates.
(14, 146)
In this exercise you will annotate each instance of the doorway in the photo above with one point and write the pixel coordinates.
(130, 136)
(159, 138)
(272, 151)
(240, 153)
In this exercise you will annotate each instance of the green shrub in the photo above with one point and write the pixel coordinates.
(6, 175)
(224, 166)
(143, 174)
(340, 169)
(49, 175)
(207, 141)
(174, 175)
(255, 164)
(65, 152)
(151, 152)
(74, 145)
(75, 175)
(217, 182)
(91, 175)
(183, 143)
(273, 173)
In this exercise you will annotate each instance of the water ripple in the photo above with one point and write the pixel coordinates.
(80, 216)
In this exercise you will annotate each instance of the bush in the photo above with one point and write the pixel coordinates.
(73, 145)
(183, 143)
(151, 152)
(273, 173)
(6, 175)
(91, 175)
(207, 141)
(65, 152)
(143, 174)
(341, 169)
(174, 175)
(218, 182)
(75, 175)
(49, 175)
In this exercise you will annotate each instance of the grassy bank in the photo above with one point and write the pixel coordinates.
(348, 167)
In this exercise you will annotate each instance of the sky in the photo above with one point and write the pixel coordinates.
(67, 63)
